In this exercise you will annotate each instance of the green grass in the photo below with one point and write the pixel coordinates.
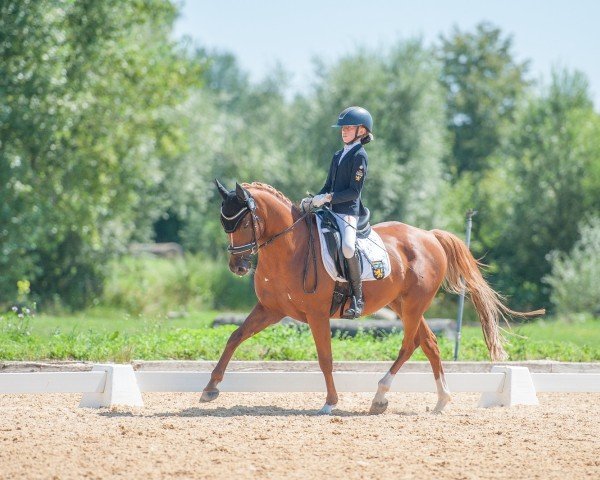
(109, 335)
(102, 320)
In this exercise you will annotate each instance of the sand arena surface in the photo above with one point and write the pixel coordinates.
(278, 436)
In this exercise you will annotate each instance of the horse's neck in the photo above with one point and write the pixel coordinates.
(290, 243)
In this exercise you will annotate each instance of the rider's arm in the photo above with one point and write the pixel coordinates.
(327, 187)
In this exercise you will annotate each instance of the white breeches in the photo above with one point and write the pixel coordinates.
(347, 224)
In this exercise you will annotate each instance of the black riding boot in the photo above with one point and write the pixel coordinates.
(356, 307)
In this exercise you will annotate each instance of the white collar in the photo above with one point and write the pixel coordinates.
(347, 148)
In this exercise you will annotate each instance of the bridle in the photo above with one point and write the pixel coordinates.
(253, 246)
(231, 224)
(249, 206)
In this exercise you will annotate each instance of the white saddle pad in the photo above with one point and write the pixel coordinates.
(372, 251)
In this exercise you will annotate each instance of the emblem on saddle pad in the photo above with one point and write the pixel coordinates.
(378, 270)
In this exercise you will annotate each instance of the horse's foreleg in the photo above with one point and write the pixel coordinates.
(259, 319)
(321, 333)
(430, 347)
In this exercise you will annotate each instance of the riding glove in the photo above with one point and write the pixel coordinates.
(319, 200)
(305, 204)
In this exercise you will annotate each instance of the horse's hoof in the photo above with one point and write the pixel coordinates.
(326, 410)
(378, 408)
(442, 402)
(209, 395)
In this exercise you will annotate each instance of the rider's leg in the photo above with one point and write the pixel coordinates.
(356, 306)
(347, 224)
(348, 228)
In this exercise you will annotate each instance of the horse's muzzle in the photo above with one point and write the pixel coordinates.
(240, 265)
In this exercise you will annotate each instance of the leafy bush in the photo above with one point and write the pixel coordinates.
(575, 277)
(154, 285)
(16, 325)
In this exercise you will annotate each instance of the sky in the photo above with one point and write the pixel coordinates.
(263, 33)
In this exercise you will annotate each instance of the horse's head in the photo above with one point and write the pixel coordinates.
(239, 220)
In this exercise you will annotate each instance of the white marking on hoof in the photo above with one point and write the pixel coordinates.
(383, 387)
(443, 394)
(380, 403)
(441, 403)
(326, 410)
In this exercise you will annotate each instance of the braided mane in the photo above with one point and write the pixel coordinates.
(273, 191)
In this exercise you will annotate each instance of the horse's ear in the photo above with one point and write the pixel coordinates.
(240, 192)
(222, 190)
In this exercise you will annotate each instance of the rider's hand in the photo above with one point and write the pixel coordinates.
(305, 204)
(319, 200)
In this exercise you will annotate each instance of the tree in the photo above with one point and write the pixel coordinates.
(555, 170)
(483, 84)
(236, 131)
(575, 277)
(82, 138)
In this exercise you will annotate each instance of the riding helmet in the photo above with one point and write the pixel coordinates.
(355, 116)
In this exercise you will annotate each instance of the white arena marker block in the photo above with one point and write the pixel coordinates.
(517, 389)
(121, 388)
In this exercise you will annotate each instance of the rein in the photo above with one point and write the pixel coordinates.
(277, 235)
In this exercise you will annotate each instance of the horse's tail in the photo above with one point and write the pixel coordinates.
(488, 303)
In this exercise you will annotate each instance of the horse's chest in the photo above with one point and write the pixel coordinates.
(275, 292)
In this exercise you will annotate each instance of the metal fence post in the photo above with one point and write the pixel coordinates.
(461, 300)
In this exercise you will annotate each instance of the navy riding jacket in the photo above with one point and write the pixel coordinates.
(346, 180)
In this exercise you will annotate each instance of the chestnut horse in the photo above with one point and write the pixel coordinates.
(259, 219)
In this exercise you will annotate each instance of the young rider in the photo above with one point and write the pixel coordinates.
(343, 188)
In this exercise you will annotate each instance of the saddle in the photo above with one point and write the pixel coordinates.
(333, 236)
(333, 240)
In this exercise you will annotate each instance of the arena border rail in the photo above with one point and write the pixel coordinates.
(110, 385)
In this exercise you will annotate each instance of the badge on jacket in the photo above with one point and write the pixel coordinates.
(359, 174)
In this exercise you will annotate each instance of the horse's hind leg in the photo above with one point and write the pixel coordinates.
(410, 342)
(259, 319)
(430, 347)
(424, 337)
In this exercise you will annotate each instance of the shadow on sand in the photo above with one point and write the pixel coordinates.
(262, 411)
(235, 411)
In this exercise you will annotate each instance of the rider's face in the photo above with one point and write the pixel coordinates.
(349, 131)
